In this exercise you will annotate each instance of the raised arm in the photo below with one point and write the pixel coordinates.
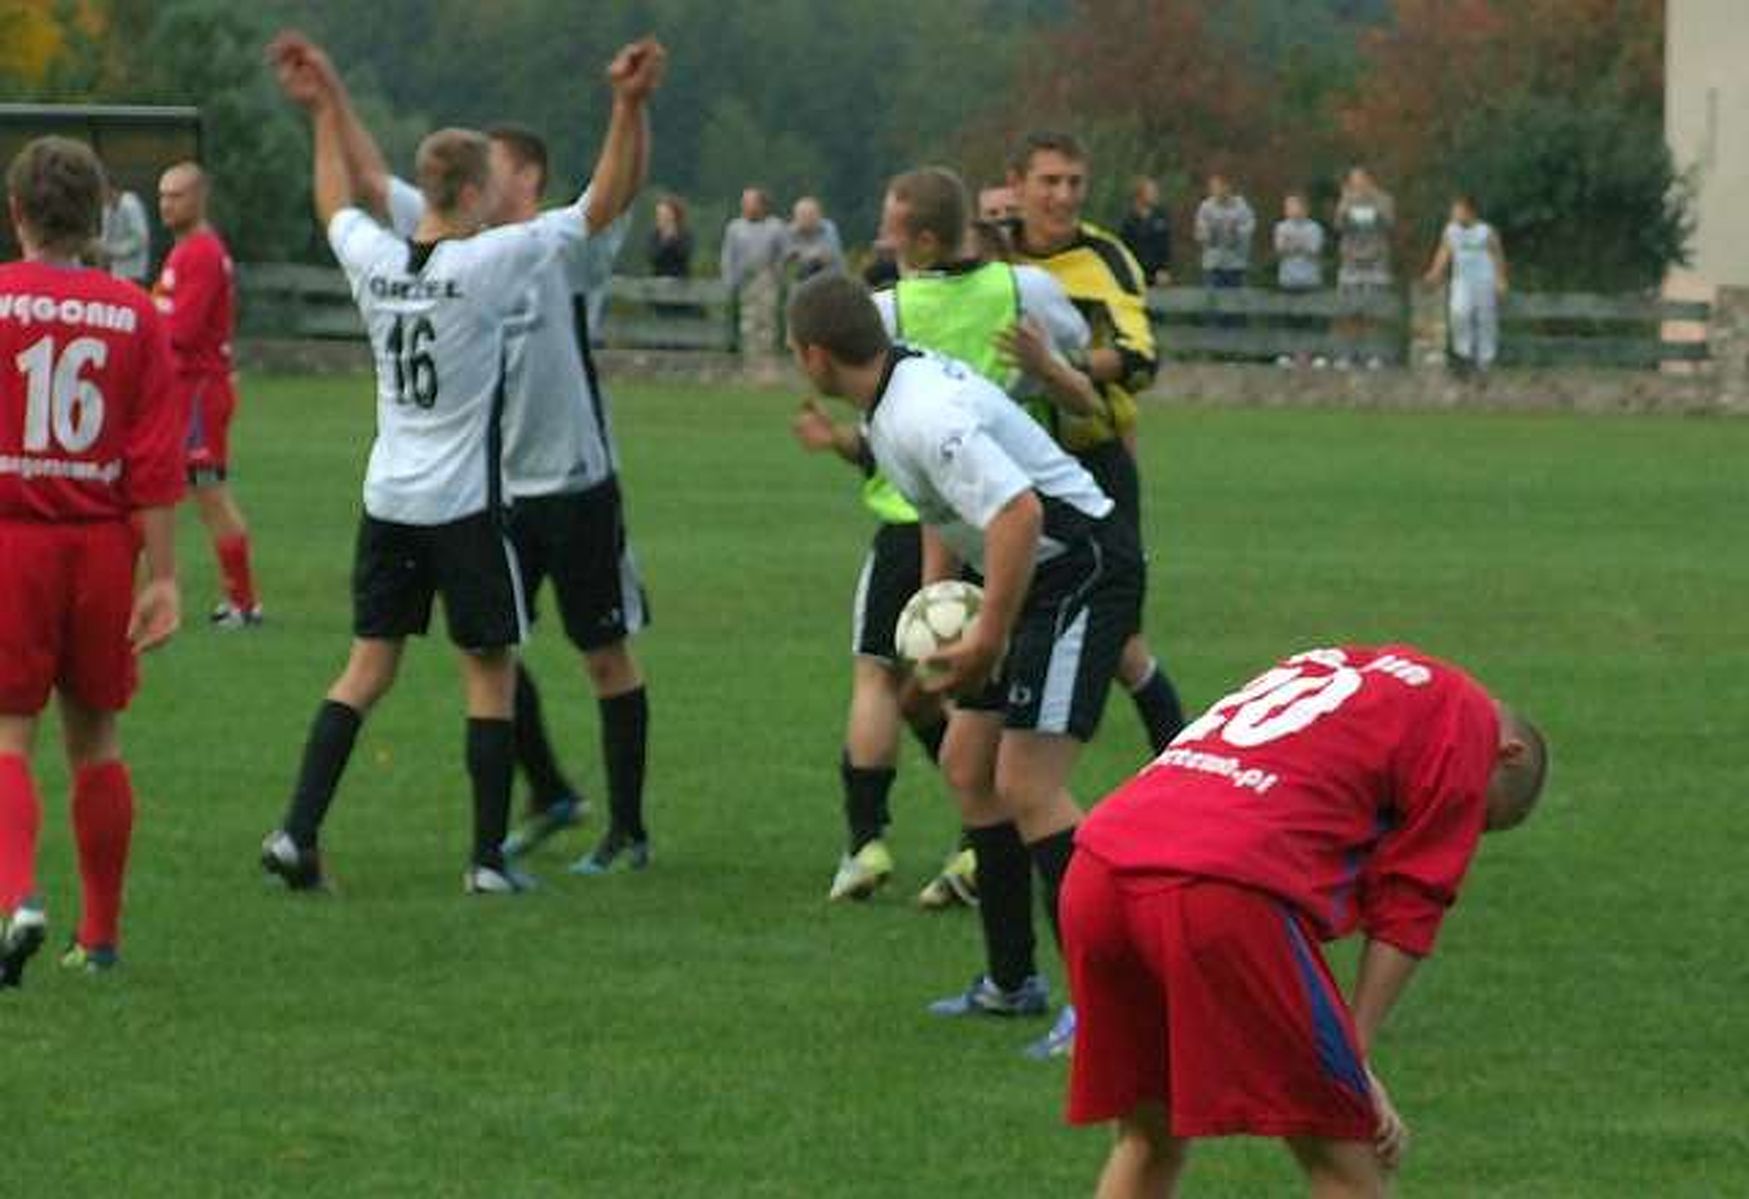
(309, 79)
(635, 73)
(333, 179)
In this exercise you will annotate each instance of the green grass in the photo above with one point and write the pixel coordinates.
(713, 1028)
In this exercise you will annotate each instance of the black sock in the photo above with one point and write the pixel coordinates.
(492, 767)
(931, 736)
(1051, 855)
(326, 751)
(625, 730)
(547, 785)
(865, 800)
(1157, 703)
(1005, 903)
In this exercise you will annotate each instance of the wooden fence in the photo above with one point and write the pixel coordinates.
(1543, 329)
(1245, 324)
(292, 301)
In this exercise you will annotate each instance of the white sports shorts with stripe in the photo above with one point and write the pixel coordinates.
(1080, 610)
(891, 575)
(578, 539)
(397, 570)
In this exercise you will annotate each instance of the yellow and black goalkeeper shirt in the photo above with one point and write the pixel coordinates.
(1104, 282)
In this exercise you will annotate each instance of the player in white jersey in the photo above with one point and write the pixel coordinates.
(562, 473)
(439, 308)
(1062, 594)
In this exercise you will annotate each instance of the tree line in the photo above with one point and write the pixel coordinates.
(1550, 111)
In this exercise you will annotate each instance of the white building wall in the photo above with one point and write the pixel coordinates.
(1706, 119)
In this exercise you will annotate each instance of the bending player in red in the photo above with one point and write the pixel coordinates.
(197, 295)
(1342, 789)
(90, 466)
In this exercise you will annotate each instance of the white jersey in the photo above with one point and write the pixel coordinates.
(1040, 297)
(1472, 264)
(437, 317)
(960, 450)
(557, 434)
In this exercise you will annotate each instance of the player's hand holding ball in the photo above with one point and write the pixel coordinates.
(939, 637)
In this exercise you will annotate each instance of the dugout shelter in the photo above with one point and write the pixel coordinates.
(135, 142)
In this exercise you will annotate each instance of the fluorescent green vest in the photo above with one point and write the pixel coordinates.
(959, 312)
(956, 312)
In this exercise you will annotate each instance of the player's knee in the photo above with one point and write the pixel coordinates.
(89, 739)
(612, 670)
(967, 771)
(366, 679)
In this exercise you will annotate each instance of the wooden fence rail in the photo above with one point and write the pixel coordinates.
(290, 300)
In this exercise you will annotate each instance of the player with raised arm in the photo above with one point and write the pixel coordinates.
(561, 466)
(1341, 789)
(196, 292)
(438, 309)
(91, 469)
(1012, 325)
(1048, 176)
(1061, 591)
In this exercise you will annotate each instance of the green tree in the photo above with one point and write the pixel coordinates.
(1583, 190)
(208, 53)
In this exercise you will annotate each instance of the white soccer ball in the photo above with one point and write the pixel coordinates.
(934, 618)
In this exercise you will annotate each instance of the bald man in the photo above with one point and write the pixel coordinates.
(196, 294)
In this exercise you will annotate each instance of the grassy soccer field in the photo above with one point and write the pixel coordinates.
(713, 1027)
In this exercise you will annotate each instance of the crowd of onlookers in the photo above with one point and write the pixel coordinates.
(760, 251)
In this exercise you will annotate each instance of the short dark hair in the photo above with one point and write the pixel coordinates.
(58, 184)
(524, 144)
(935, 202)
(991, 241)
(835, 312)
(1041, 140)
(448, 161)
(1522, 782)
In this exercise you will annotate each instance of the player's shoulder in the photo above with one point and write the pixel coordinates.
(1112, 254)
(204, 245)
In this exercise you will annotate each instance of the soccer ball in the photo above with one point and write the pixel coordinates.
(935, 617)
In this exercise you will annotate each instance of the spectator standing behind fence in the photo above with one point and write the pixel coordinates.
(812, 244)
(126, 238)
(1299, 257)
(1470, 249)
(1365, 216)
(1147, 231)
(1225, 225)
(1299, 247)
(752, 255)
(670, 250)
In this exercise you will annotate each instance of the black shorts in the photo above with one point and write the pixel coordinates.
(891, 575)
(1113, 467)
(578, 539)
(397, 569)
(1080, 610)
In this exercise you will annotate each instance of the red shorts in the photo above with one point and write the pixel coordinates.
(64, 619)
(1212, 999)
(211, 400)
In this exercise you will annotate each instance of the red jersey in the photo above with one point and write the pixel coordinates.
(1349, 782)
(90, 424)
(195, 293)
